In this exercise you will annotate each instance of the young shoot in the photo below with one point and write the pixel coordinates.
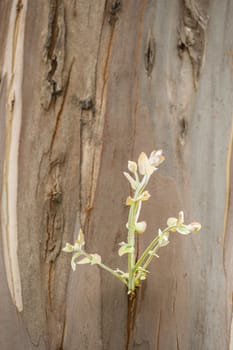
(138, 176)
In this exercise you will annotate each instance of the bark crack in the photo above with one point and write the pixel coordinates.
(132, 299)
(192, 37)
(106, 66)
(58, 116)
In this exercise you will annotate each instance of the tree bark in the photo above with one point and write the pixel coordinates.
(84, 86)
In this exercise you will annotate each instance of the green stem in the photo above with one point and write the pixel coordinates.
(145, 253)
(106, 268)
(114, 273)
(131, 241)
(133, 212)
(150, 257)
(150, 247)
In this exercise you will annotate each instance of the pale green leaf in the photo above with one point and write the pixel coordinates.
(194, 226)
(156, 158)
(125, 249)
(144, 196)
(73, 265)
(132, 182)
(153, 253)
(144, 166)
(164, 239)
(132, 167)
(80, 240)
(129, 201)
(68, 248)
(83, 261)
(183, 230)
(142, 277)
(172, 222)
(160, 232)
(73, 261)
(181, 217)
(141, 269)
(95, 259)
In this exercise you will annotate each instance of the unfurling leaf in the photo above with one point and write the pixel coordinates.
(129, 200)
(83, 261)
(73, 261)
(95, 259)
(156, 158)
(125, 249)
(164, 239)
(144, 197)
(132, 182)
(79, 243)
(181, 217)
(140, 227)
(171, 222)
(68, 248)
(194, 226)
(144, 166)
(142, 277)
(183, 229)
(122, 273)
(132, 166)
(73, 265)
(152, 252)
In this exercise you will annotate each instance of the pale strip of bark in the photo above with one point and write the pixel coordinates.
(13, 69)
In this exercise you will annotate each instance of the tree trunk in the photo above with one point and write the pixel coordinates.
(86, 85)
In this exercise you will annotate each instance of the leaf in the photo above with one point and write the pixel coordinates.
(172, 222)
(122, 273)
(122, 243)
(142, 277)
(80, 240)
(73, 265)
(132, 167)
(83, 261)
(129, 201)
(194, 226)
(183, 230)
(132, 182)
(140, 268)
(163, 243)
(152, 252)
(164, 239)
(144, 196)
(73, 261)
(140, 227)
(160, 232)
(96, 259)
(125, 249)
(145, 168)
(156, 158)
(181, 217)
(68, 248)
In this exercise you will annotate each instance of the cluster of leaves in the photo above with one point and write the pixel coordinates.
(138, 176)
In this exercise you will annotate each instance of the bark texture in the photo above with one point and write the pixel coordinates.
(84, 86)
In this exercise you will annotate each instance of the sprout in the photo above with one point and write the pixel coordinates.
(137, 268)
